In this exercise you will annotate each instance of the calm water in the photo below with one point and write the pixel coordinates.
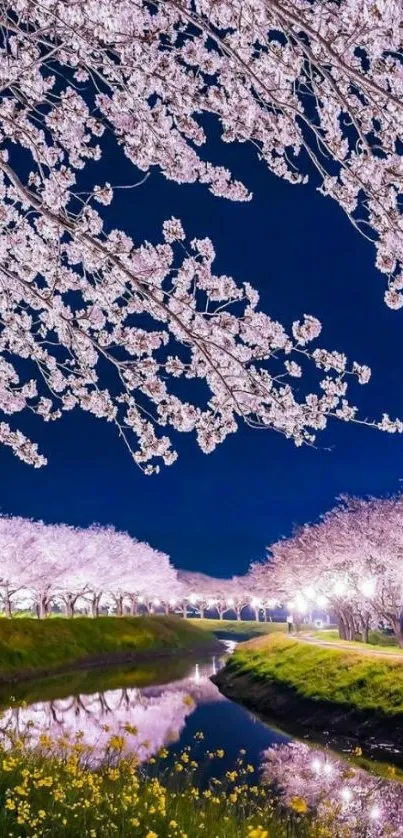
(168, 702)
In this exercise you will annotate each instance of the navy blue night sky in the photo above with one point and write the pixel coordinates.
(216, 513)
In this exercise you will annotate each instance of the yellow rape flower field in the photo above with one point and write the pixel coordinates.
(55, 789)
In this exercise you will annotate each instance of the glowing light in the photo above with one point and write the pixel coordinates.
(210, 603)
(193, 599)
(316, 765)
(140, 599)
(271, 603)
(327, 768)
(256, 603)
(347, 795)
(339, 588)
(302, 606)
(375, 813)
(290, 605)
(156, 602)
(172, 601)
(368, 587)
(230, 601)
(321, 601)
(309, 593)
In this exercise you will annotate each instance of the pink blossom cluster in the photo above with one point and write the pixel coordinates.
(349, 564)
(49, 566)
(148, 718)
(304, 83)
(55, 564)
(354, 802)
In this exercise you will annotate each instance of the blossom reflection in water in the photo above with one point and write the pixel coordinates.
(149, 718)
(336, 790)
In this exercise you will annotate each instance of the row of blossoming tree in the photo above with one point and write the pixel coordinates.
(45, 566)
(350, 562)
(89, 88)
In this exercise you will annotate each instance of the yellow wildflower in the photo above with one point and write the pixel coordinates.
(257, 832)
(299, 805)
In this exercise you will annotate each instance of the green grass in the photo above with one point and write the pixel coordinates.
(29, 645)
(378, 641)
(240, 629)
(341, 677)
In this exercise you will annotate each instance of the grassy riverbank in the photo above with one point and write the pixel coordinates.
(335, 676)
(377, 640)
(29, 646)
(239, 629)
(354, 696)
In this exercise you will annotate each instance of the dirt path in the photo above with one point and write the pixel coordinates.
(348, 647)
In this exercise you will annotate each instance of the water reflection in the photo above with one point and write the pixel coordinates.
(164, 705)
(149, 718)
(345, 795)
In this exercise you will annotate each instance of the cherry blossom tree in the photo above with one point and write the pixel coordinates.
(48, 564)
(314, 87)
(17, 539)
(350, 563)
(53, 559)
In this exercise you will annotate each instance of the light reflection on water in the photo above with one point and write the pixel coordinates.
(168, 713)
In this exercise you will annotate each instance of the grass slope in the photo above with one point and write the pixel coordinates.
(340, 677)
(28, 645)
(378, 641)
(240, 629)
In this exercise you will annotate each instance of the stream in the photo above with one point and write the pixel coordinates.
(168, 703)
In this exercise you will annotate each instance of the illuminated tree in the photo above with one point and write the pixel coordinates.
(313, 87)
(350, 562)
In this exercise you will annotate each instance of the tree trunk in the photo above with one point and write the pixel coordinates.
(257, 614)
(264, 615)
(133, 606)
(7, 606)
(238, 613)
(119, 605)
(342, 627)
(95, 605)
(69, 608)
(364, 630)
(397, 631)
(43, 607)
(350, 628)
(70, 604)
(185, 612)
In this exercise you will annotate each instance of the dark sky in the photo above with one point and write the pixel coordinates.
(216, 513)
